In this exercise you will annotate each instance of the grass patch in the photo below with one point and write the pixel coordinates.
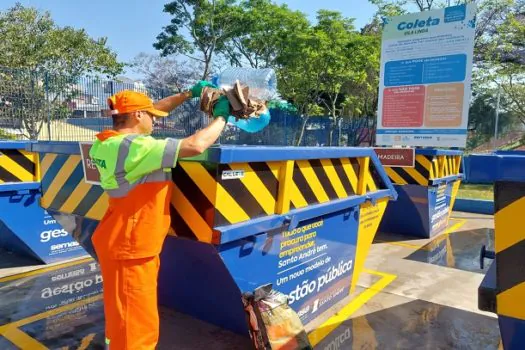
(472, 191)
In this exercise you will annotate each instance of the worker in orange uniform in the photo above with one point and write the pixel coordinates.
(135, 171)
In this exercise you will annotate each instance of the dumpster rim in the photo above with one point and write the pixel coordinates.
(14, 186)
(241, 230)
(439, 152)
(447, 179)
(15, 144)
(59, 147)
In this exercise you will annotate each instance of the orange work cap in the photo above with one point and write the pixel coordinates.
(128, 101)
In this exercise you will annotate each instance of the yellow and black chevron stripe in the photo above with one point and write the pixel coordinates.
(426, 169)
(319, 181)
(203, 199)
(18, 166)
(65, 190)
(510, 249)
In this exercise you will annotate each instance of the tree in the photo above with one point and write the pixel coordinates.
(261, 30)
(502, 56)
(482, 119)
(335, 35)
(299, 75)
(31, 39)
(166, 74)
(208, 23)
(42, 64)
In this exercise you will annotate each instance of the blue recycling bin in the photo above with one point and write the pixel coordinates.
(25, 227)
(427, 193)
(302, 219)
(503, 287)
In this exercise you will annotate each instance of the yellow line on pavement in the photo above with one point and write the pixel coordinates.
(333, 322)
(23, 340)
(46, 314)
(456, 226)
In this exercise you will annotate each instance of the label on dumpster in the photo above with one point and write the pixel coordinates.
(439, 207)
(312, 263)
(91, 174)
(55, 241)
(396, 157)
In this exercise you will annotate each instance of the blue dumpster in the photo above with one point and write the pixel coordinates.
(503, 288)
(26, 228)
(302, 219)
(426, 194)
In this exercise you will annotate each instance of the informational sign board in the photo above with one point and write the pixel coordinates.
(426, 69)
(396, 157)
(91, 174)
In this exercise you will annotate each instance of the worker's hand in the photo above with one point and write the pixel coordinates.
(196, 89)
(222, 108)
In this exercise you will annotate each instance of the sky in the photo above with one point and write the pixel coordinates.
(131, 26)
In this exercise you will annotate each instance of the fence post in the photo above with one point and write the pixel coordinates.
(285, 130)
(46, 87)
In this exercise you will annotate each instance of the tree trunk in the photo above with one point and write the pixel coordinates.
(302, 131)
(333, 120)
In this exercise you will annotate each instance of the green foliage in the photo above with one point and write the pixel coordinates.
(209, 23)
(41, 63)
(30, 39)
(262, 29)
(6, 136)
(482, 118)
(501, 54)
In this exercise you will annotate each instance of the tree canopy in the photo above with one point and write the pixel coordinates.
(40, 65)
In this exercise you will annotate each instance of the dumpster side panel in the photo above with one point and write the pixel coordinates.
(64, 189)
(512, 333)
(369, 219)
(30, 230)
(419, 175)
(194, 280)
(18, 165)
(11, 242)
(311, 263)
(252, 186)
(510, 248)
(410, 213)
(439, 198)
(81, 228)
(454, 189)
(319, 181)
(193, 201)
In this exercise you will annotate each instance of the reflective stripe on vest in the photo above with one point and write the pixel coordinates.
(151, 158)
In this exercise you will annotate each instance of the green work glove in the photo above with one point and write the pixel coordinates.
(196, 89)
(222, 108)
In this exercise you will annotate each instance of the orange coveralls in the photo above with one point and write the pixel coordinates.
(129, 238)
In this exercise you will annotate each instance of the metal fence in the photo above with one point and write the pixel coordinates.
(37, 105)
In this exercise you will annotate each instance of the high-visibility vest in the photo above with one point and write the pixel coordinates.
(135, 171)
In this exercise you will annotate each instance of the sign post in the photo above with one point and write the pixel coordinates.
(426, 69)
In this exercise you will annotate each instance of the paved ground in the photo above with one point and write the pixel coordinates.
(414, 294)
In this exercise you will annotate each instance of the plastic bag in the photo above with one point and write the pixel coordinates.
(273, 323)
